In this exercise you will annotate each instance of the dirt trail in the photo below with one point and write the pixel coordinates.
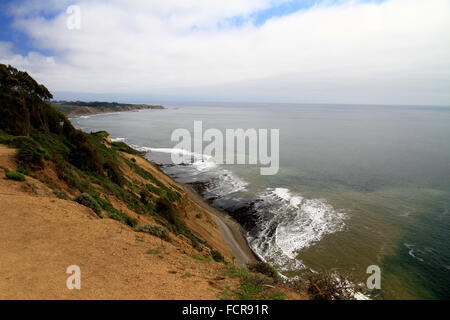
(231, 231)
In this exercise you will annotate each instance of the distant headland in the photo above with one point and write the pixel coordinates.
(79, 108)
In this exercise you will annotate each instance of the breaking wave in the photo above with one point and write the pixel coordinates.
(218, 182)
(118, 139)
(290, 223)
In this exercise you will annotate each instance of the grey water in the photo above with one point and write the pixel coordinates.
(357, 186)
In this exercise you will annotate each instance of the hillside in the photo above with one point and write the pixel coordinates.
(78, 108)
(71, 198)
(41, 235)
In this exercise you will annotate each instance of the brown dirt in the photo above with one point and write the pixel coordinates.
(41, 237)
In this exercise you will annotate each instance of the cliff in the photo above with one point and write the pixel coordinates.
(71, 198)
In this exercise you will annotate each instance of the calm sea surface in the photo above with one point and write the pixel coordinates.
(357, 186)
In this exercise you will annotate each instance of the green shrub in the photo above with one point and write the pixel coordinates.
(24, 168)
(61, 195)
(200, 257)
(84, 156)
(146, 197)
(172, 195)
(16, 176)
(113, 172)
(114, 213)
(31, 155)
(248, 291)
(87, 200)
(217, 256)
(5, 138)
(166, 210)
(155, 230)
(263, 268)
(253, 286)
(132, 222)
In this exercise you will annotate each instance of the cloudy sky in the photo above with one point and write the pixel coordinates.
(305, 51)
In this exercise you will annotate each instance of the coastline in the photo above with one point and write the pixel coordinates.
(74, 111)
(231, 230)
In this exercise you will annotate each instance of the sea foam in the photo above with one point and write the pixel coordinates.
(290, 223)
(222, 183)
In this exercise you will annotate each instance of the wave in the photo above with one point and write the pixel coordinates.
(221, 182)
(118, 139)
(224, 184)
(288, 224)
(412, 252)
(199, 161)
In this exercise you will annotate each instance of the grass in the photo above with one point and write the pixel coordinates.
(115, 214)
(252, 286)
(61, 195)
(264, 268)
(87, 200)
(122, 146)
(160, 188)
(155, 230)
(16, 176)
(153, 251)
(200, 257)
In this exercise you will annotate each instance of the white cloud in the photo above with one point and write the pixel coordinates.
(394, 52)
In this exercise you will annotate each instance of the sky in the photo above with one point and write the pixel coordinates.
(293, 51)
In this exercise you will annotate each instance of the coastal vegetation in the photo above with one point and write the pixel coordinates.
(17, 176)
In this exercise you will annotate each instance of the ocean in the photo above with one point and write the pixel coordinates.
(357, 186)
